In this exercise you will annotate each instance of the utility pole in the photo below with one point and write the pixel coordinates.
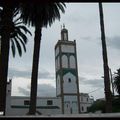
(108, 96)
(112, 81)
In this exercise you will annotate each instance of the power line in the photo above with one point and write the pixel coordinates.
(95, 90)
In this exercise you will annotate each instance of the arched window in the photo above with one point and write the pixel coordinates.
(64, 61)
(72, 61)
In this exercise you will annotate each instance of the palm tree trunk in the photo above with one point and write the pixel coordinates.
(108, 96)
(34, 77)
(4, 57)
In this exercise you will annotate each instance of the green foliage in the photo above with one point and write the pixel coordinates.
(116, 104)
(117, 81)
(97, 105)
(100, 105)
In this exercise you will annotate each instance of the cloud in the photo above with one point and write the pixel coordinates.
(46, 90)
(23, 91)
(86, 38)
(92, 82)
(114, 42)
(19, 73)
(43, 74)
(43, 90)
(74, 19)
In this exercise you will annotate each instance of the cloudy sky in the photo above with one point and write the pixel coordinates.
(82, 22)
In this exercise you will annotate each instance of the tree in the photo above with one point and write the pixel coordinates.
(18, 33)
(98, 105)
(108, 95)
(4, 57)
(117, 81)
(39, 16)
(7, 29)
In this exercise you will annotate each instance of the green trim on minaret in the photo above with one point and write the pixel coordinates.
(66, 70)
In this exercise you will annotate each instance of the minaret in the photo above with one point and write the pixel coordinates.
(67, 83)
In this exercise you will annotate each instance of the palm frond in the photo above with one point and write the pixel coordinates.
(43, 14)
(21, 34)
(117, 81)
(24, 29)
(16, 11)
(18, 47)
(18, 33)
(18, 23)
(20, 38)
(17, 19)
(13, 47)
(23, 44)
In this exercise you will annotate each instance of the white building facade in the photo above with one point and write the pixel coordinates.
(68, 99)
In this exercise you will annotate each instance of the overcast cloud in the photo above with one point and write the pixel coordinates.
(43, 74)
(44, 90)
(114, 42)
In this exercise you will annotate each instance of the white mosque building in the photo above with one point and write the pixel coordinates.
(68, 99)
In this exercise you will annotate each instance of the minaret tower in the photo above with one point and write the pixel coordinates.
(67, 83)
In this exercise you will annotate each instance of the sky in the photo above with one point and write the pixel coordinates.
(82, 22)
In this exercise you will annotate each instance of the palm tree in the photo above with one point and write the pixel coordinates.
(17, 34)
(13, 32)
(108, 96)
(117, 81)
(4, 57)
(39, 16)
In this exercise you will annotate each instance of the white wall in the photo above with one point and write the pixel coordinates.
(85, 102)
(69, 87)
(18, 107)
(18, 102)
(70, 104)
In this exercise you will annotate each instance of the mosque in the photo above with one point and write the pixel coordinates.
(68, 99)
